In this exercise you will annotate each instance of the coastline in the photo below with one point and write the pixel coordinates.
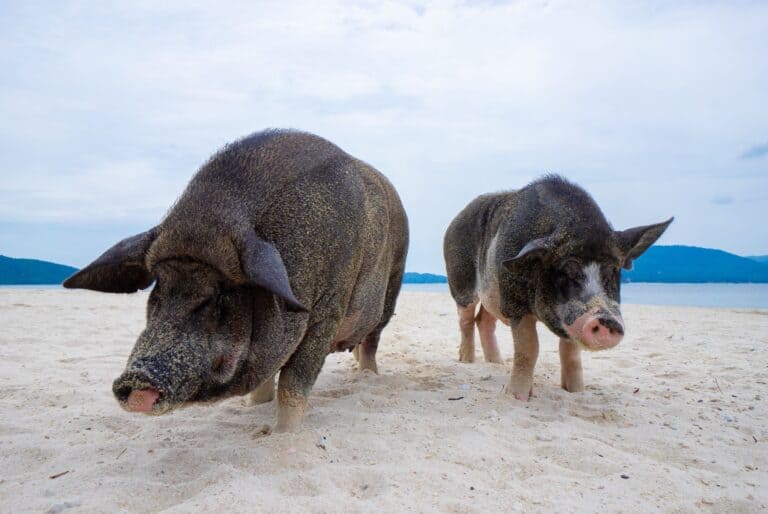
(708, 294)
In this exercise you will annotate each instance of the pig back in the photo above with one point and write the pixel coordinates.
(331, 217)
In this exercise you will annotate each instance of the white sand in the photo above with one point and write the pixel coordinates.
(678, 407)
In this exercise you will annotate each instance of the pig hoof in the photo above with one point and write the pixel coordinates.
(262, 431)
(574, 388)
(466, 357)
(366, 363)
(521, 395)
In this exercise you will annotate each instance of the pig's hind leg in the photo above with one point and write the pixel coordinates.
(467, 329)
(571, 378)
(486, 326)
(462, 282)
(264, 393)
(365, 352)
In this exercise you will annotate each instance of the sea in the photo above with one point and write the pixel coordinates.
(743, 296)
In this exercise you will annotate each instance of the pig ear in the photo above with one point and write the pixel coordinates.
(634, 241)
(264, 267)
(120, 269)
(534, 248)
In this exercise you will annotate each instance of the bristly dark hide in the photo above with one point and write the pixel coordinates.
(281, 248)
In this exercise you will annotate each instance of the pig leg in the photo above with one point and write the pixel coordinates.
(467, 328)
(365, 352)
(570, 366)
(264, 393)
(526, 352)
(486, 325)
(299, 374)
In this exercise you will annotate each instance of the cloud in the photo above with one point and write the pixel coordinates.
(722, 199)
(110, 109)
(109, 192)
(755, 152)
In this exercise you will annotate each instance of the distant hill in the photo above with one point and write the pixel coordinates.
(694, 264)
(759, 258)
(657, 264)
(32, 272)
(672, 264)
(424, 278)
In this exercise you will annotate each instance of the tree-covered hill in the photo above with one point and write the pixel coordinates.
(32, 272)
(673, 264)
(694, 264)
(657, 264)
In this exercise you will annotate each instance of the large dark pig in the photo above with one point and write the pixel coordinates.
(283, 248)
(543, 253)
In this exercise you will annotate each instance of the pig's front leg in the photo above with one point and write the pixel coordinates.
(570, 366)
(526, 352)
(299, 374)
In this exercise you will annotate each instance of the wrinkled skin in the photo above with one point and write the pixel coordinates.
(283, 248)
(197, 345)
(543, 253)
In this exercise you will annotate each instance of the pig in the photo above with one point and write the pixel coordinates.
(542, 253)
(282, 249)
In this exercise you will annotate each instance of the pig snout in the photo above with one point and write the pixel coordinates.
(136, 392)
(597, 330)
(602, 332)
(142, 400)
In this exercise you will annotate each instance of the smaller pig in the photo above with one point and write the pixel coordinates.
(542, 253)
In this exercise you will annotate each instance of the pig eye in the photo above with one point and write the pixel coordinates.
(223, 305)
(565, 283)
(572, 269)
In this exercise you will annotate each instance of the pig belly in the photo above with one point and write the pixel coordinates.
(348, 327)
(488, 282)
(364, 312)
(354, 327)
(491, 302)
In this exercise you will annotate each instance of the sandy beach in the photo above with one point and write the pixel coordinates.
(673, 420)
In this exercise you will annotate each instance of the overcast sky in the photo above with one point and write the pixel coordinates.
(656, 108)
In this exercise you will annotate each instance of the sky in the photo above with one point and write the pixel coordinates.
(656, 108)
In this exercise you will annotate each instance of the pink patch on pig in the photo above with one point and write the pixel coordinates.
(594, 335)
(142, 400)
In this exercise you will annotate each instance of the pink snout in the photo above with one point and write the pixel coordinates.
(141, 400)
(597, 331)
